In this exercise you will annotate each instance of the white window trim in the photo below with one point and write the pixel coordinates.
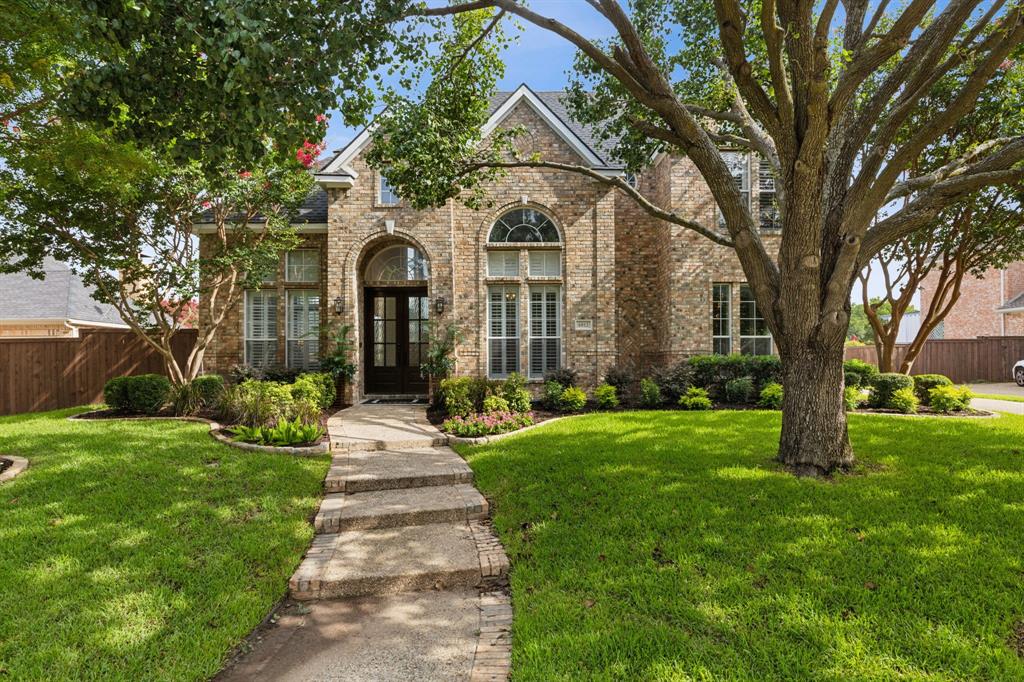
(558, 326)
(744, 186)
(315, 265)
(728, 315)
(381, 179)
(544, 254)
(755, 337)
(245, 323)
(518, 335)
(289, 332)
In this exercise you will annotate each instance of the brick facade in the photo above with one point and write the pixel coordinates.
(635, 291)
(977, 312)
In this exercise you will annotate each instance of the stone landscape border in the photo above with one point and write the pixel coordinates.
(492, 659)
(215, 432)
(482, 440)
(18, 465)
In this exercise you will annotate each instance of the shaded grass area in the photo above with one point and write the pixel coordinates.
(1000, 396)
(141, 550)
(669, 546)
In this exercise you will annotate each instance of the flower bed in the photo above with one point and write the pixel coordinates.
(487, 424)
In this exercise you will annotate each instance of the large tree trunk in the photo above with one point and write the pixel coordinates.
(814, 438)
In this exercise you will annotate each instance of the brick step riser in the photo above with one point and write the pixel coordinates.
(396, 520)
(417, 582)
(400, 483)
(346, 446)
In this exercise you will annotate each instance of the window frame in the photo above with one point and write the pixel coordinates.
(383, 184)
(302, 267)
(505, 337)
(755, 338)
(764, 173)
(270, 338)
(504, 253)
(546, 254)
(544, 289)
(744, 176)
(511, 228)
(289, 332)
(726, 319)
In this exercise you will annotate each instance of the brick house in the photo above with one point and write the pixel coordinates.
(992, 305)
(559, 270)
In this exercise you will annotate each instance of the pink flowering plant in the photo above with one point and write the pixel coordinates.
(486, 424)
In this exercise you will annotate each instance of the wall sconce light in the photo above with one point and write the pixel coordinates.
(339, 306)
(439, 305)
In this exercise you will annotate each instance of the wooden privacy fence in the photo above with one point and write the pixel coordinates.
(987, 358)
(47, 374)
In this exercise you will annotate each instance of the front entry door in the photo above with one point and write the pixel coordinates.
(396, 339)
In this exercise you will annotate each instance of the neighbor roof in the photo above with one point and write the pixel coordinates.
(61, 295)
(1014, 303)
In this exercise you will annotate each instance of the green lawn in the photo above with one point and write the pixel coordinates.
(1000, 396)
(141, 550)
(669, 546)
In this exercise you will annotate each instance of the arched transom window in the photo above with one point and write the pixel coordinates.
(397, 264)
(523, 225)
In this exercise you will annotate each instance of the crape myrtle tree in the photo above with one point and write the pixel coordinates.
(966, 239)
(829, 94)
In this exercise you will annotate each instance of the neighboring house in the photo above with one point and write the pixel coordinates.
(992, 305)
(560, 270)
(57, 306)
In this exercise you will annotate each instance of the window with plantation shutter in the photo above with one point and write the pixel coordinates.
(502, 331)
(302, 350)
(721, 319)
(545, 329)
(260, 328)
(302, 265)
(503, 263)
(545, 263)
(739, 166)
(767, 205)
(755, 339)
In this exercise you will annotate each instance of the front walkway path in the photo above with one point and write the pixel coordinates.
(402, 580)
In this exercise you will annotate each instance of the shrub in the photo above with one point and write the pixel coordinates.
(714, 372)
(305, 411)
(851, 398)
(257, 403)
(851, 379)
(764, 369)
(695, 399)
(904, 400)
(563, 375)
(739, 390)
(148, 393)
(115, 394)
(281, 374)
(239, 374)
(306, 388)
(573, 399)
(479, 389)
(185, 400)
(208, 388)
(495, 403)
(285, 433)
(552, 394)
(865, 369)
(486, 424)
(650, 393)
(622, 380)
(672, 381)
(515, 394)
(949, 398)
(326, 382)
(606, 396)
(883, 386)
(923, 383)
(453, 395)
(771, 396)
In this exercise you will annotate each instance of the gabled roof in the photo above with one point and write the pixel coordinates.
(549, 105)
(61, 295)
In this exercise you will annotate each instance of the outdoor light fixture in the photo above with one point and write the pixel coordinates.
(439, 305)
(339, 307)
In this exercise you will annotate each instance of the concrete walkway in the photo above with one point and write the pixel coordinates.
(403, 578)
(1007, 388)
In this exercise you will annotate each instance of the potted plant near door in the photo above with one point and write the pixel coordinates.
(440, 360)
(339, 361)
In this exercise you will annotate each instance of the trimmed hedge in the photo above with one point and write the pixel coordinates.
(740, 390)
(606, 396)
(949, 398)
(864, 369)
(148, 393)
(924, 383)
(115, 394)
(884, 386)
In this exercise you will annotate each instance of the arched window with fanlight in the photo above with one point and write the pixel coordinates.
(524, 250)
(398, 265)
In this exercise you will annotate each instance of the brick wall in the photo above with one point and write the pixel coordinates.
(975, 314)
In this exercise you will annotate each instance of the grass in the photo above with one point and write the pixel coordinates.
(669, 546)
(141, 550)
(1000, 396)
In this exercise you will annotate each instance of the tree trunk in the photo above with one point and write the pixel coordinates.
(814, 438)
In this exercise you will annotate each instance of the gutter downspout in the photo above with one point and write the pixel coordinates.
(1002, 301)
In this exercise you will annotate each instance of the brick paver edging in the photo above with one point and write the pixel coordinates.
(481, 440)
(492, 660)
(215, 428)
(18, 464)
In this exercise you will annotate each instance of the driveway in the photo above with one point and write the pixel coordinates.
(1007, 389)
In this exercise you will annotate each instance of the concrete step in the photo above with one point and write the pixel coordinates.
(404, 507)
(360, 471)
(390, 560)
(343, 444)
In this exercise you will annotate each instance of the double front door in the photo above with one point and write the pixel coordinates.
(396, 323)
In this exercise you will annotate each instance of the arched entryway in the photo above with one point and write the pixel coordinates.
(396, 315)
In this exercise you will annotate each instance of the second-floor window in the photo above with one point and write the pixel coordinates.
(386, 196)
(767, 203)
(739, 167)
